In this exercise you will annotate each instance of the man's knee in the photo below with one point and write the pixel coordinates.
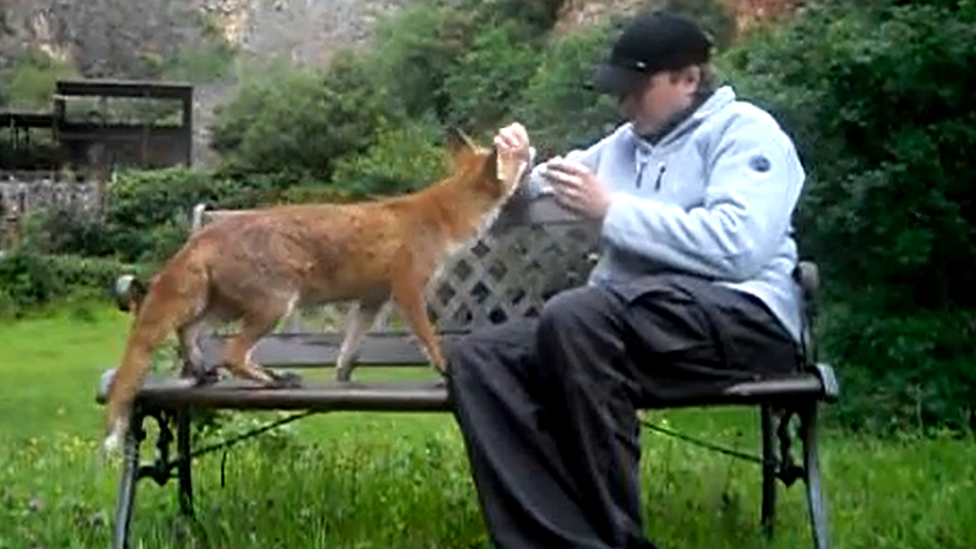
(488, 349)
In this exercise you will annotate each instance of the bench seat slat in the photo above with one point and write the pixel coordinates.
(171, 393)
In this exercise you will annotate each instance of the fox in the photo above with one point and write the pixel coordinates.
(260, 265)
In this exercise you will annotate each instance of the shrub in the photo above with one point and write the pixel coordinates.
(877, 98)
(489, 78)
(403, 159)
(299, 122)
(149, 212)
(413, 51)
(64, 230)
(557, 109)
(33, 281)
(30, 81)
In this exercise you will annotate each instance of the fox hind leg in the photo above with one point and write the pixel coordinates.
(260, 318)
(191, 355)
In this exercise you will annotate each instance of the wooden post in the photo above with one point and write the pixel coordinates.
(187, 103)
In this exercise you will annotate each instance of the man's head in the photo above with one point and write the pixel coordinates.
(655, 68)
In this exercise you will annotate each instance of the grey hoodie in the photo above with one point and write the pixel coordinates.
(713, 198)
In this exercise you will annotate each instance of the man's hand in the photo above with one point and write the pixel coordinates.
(513, 141)
(578, 189)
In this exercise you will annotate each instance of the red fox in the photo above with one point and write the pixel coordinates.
(260, 265)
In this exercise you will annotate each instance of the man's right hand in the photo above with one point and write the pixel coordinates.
(513, 140)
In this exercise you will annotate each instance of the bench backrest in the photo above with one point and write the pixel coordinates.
(533, 250)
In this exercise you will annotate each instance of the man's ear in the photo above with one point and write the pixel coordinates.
(689, 76)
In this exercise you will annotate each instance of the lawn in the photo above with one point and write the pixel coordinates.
(400, 480)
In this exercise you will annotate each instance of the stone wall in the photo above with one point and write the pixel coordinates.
(23, 193)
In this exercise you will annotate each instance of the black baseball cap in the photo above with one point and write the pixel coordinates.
(650, 43)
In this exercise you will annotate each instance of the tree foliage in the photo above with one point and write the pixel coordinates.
(877, 97)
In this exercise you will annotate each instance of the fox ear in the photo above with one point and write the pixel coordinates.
(458, 141)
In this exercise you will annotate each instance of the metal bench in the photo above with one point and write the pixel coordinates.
(534, 249)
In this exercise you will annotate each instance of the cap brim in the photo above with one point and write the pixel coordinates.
(615, 80)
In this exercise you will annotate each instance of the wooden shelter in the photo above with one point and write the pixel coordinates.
(99, 137)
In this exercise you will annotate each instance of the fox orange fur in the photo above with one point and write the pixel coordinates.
(259, 265)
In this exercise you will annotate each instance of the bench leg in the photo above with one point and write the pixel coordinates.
(184, 465)
(811, 464)
(127, 482)
(768, 469)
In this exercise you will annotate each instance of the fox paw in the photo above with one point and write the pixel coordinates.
(284, 380)
(206, 377)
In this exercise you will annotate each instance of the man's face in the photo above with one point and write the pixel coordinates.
(663, 95)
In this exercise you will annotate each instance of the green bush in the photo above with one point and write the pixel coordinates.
(462, 64)
(149, 212)
(30, 81)
(877, 98)
(299, 122)
(489, 79)
(29, 282)
(403, 159)
(903, 372)
(413, 51)
(556, 108)
(64, 230)
(531, 19)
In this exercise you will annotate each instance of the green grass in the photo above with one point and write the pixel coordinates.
(401, 480)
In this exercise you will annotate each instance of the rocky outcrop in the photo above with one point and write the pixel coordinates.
(746, 12)
(306, 32)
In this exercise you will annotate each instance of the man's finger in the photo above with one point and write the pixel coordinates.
(569, 193)
(567, 167)
(506, 144)
(569, 202)
(565, 179)
(513, 138)
(519, 133)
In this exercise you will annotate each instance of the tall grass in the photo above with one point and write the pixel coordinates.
(355, 480)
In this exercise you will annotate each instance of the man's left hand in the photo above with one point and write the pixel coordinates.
(578, 189)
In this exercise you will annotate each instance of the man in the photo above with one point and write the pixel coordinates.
(693, 291)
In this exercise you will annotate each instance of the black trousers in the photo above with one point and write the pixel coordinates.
(547, 406)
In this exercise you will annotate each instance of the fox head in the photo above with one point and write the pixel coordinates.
(493, 174)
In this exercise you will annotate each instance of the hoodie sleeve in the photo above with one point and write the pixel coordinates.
(754, 182)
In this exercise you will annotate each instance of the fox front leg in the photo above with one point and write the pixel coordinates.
(408, 293)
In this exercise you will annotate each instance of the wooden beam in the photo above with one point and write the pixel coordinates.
(124, 88)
